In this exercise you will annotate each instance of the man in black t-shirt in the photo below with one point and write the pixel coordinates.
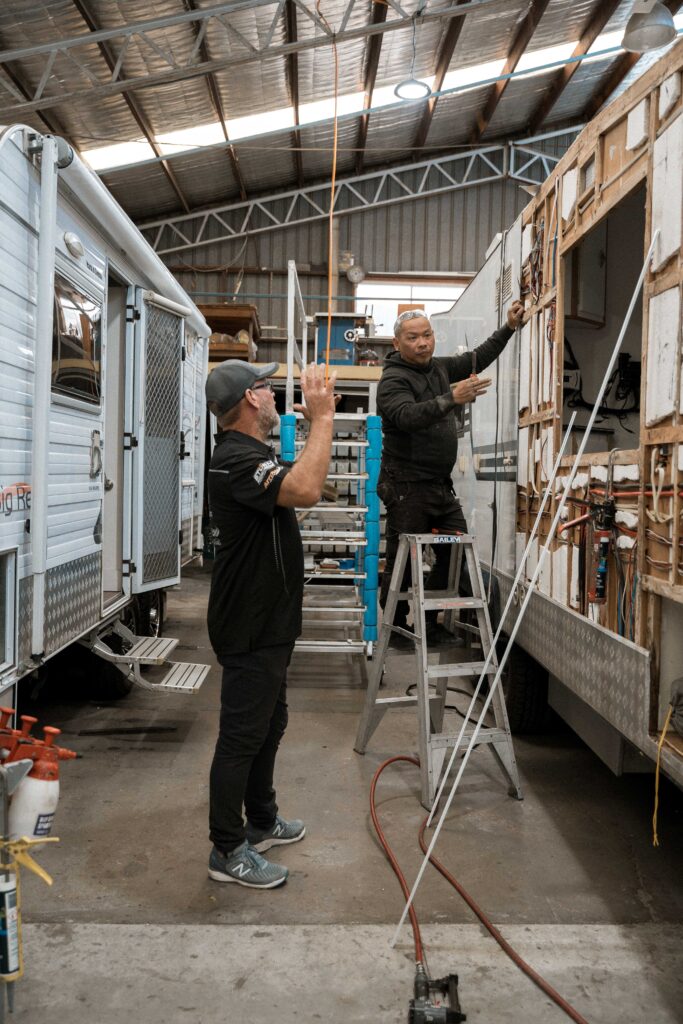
(254, 612)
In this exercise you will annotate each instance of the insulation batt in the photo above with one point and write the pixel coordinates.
(628, 519)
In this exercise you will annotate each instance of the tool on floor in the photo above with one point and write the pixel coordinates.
(432, 680)
(422, 1010)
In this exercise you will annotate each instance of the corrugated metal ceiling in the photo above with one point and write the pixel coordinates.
(244, 85)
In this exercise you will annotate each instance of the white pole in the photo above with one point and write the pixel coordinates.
(520, 570)
(546, 548)
(42, 384)
(289, 387)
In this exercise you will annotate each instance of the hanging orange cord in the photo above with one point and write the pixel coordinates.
(330, 244)
(665, 728)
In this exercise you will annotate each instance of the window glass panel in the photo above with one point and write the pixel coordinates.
(76, 343)
(383, 299)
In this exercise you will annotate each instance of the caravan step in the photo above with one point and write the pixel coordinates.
(147, 650)
(183, 677)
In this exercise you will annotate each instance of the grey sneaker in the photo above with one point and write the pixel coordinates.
(246, 867)
(282, 833)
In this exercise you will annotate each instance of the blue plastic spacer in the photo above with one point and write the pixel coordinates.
(287, 437)
(372, 536)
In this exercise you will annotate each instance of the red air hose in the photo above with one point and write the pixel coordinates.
(474, 907)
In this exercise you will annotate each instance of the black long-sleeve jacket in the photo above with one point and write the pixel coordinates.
(419, 414)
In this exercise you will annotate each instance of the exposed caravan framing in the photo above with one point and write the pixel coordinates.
(101, 411)
(607, 618)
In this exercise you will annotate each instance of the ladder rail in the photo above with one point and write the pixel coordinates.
(432, 680)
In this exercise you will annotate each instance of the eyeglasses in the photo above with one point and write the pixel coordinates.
(258, 387)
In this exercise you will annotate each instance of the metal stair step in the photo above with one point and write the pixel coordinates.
(148, 650)
(183, 677)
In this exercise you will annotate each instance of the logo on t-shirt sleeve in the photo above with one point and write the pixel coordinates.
(271, 476)
(262, 470)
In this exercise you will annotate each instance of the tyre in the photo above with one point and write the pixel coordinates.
(151, 611)
(525, 687)
(81, 674)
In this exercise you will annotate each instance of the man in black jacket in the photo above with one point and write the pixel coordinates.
(418, 397)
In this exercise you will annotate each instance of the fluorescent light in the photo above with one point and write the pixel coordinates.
(386, 94)
(105, 158)
(412, 89)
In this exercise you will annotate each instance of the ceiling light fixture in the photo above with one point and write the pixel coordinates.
(412, 88)
(650, 26)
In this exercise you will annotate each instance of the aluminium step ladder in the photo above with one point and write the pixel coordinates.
(136, 651)
(432, 680)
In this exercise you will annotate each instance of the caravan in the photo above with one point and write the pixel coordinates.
(602, 641)
(103, 359)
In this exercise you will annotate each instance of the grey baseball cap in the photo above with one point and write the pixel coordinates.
(226, 384)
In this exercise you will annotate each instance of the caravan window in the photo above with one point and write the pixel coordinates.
(76, 343)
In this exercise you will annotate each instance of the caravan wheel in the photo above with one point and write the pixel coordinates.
(525, 686)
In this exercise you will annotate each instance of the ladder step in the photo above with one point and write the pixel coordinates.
(334, 536)
(446, 603)
(331, 646)
(340, 443)
(148, 650)
(334, 574)
(350, 609)
(347, 476)
(443, 739)
(330, 507)
(402, 702)
(464, 669)
(183, 677)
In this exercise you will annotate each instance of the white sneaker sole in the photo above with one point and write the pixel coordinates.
(266, 844)
(219, 876)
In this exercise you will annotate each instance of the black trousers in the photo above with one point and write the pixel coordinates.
(419, 507)
(252, 723)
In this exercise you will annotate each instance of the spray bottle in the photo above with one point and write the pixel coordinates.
(34, 804)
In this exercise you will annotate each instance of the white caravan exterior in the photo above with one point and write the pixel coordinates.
(103, 359)
(606, 619)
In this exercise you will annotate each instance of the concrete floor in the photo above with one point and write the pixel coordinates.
(133, 925)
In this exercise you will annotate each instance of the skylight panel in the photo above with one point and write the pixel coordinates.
(260, 124)
(105, 158)
(191, 138)
(322, 110)
(474, 75)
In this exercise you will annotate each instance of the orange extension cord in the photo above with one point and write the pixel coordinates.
(490, 927)
(333, 184)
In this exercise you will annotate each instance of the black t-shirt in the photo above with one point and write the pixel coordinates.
(258, 575)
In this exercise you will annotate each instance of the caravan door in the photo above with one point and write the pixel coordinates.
(159, 337)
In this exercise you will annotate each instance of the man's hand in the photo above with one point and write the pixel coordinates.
(320, 397)
(468, 390)
(515, 316)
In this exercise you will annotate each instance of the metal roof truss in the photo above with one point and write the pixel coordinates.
(523, 161)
